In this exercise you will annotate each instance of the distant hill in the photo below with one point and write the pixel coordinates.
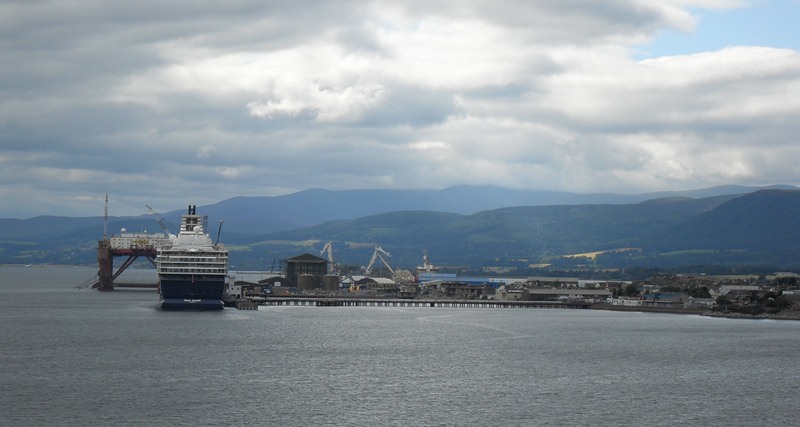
(728, 228)
(248, 215)
(758, 228)
(529, 235)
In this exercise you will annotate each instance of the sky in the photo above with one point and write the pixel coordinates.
(193, 102)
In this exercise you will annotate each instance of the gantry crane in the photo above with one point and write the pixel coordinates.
(377, 254)
(160, 220)
(329, 249)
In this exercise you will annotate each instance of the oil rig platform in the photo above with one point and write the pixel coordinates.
(128, 245)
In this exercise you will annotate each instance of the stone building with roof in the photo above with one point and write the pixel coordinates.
(307, 267)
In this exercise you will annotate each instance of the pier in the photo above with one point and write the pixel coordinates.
(401, 302)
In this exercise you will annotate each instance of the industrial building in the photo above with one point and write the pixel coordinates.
(308, 272)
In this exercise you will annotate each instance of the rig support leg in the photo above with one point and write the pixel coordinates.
(105, 263)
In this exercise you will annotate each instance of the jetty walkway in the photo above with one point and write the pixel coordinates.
(401, 302)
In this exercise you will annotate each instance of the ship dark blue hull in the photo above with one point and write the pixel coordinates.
(191, 292)
(191, 304)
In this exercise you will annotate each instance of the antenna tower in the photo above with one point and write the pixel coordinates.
(105, 220)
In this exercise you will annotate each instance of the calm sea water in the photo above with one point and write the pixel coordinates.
(82, 357)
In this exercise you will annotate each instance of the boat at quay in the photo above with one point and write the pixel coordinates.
(192, 269)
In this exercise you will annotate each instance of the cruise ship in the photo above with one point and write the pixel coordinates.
(192, 270)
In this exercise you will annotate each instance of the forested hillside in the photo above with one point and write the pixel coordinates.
(758, 228)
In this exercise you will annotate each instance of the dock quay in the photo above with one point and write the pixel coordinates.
(246, 305)
(118, 285)
(400, 302)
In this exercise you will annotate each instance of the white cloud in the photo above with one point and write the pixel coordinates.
(206, 151)
(429, 145)
(323, 103)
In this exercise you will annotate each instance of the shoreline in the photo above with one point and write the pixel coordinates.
(782, 315)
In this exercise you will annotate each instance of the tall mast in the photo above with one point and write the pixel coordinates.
(105, 221)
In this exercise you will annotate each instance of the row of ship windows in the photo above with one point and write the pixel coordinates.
(190, 255)
(193, 260)
(193, 270)
(204, 265)
(202, 252)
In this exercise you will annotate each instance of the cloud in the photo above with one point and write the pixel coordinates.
(262, 98)
(324, 103)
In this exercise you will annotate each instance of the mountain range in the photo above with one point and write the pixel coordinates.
(465, 226)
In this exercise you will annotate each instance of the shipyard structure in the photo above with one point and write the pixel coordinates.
(130, 246)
